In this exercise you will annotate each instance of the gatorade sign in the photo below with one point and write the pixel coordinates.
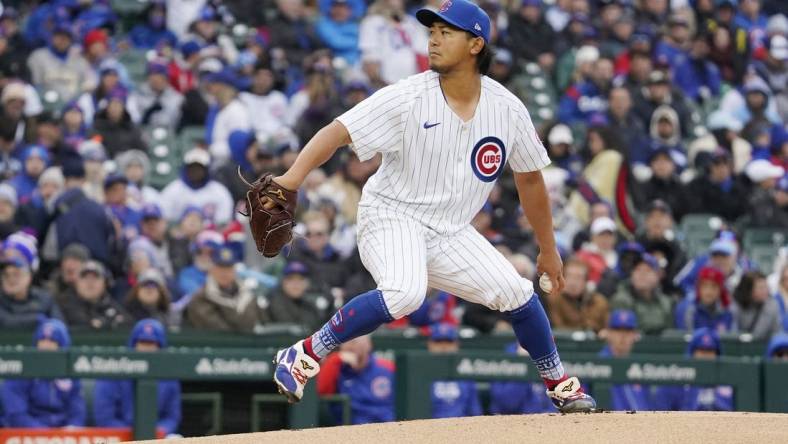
(86, 435)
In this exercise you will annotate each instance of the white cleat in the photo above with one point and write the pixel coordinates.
(569, 397)
(293, 369)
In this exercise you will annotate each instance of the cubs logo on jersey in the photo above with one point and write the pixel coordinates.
(488, 158)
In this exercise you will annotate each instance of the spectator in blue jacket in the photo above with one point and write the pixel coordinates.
(152, 30)
(695, 74)
(510, 398)
(339, 31)
(673, 47)
(35, 159)
(588, 97)
(42, 403)
(451, 399)
(705, 344)
(621, 335)
(113, 403)
(366, 379)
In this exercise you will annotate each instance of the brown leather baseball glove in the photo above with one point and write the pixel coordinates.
(272, 228)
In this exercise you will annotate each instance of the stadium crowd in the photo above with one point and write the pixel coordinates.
(121, 137)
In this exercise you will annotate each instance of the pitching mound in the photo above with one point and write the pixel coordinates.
(652, 427)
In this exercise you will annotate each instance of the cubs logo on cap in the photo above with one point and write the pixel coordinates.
(461, 14)
(488, 158)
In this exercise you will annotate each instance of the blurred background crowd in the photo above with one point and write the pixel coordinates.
(123, 124)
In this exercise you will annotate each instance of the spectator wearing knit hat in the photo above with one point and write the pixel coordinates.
(704, 345)
(135, 166)
(14, 100)
(96, 50)
(711, 306)
(60, 67)
(764, 207)
(42, 403)
(113, 399)
(21, 304)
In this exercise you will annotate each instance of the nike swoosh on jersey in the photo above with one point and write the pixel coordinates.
(428, 125)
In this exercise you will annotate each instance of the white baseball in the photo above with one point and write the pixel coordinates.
(545, 283)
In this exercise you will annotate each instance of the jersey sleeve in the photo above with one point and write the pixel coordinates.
(376, 125)
(528, 152)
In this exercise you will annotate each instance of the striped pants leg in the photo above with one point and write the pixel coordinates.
(393, 249)
(467, 265)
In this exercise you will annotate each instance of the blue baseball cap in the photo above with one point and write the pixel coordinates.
(224, 256)
(704, 339)
(444, 332)
(623, 320)
(461, 14)
(151, 211)
(113, 179)
(295, 267)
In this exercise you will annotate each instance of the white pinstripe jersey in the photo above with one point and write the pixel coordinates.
(437, 169)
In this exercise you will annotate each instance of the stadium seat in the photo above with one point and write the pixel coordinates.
(773, 237)
(763, 256)
(190, 136)
(698, 230)
(51, 101)
(135, 62)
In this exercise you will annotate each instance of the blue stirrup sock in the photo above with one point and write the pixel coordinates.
(362, 315)
(534, 334)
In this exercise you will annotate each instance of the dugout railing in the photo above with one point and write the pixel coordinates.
(671, 342)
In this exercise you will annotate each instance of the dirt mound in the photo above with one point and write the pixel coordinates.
(616, 428)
